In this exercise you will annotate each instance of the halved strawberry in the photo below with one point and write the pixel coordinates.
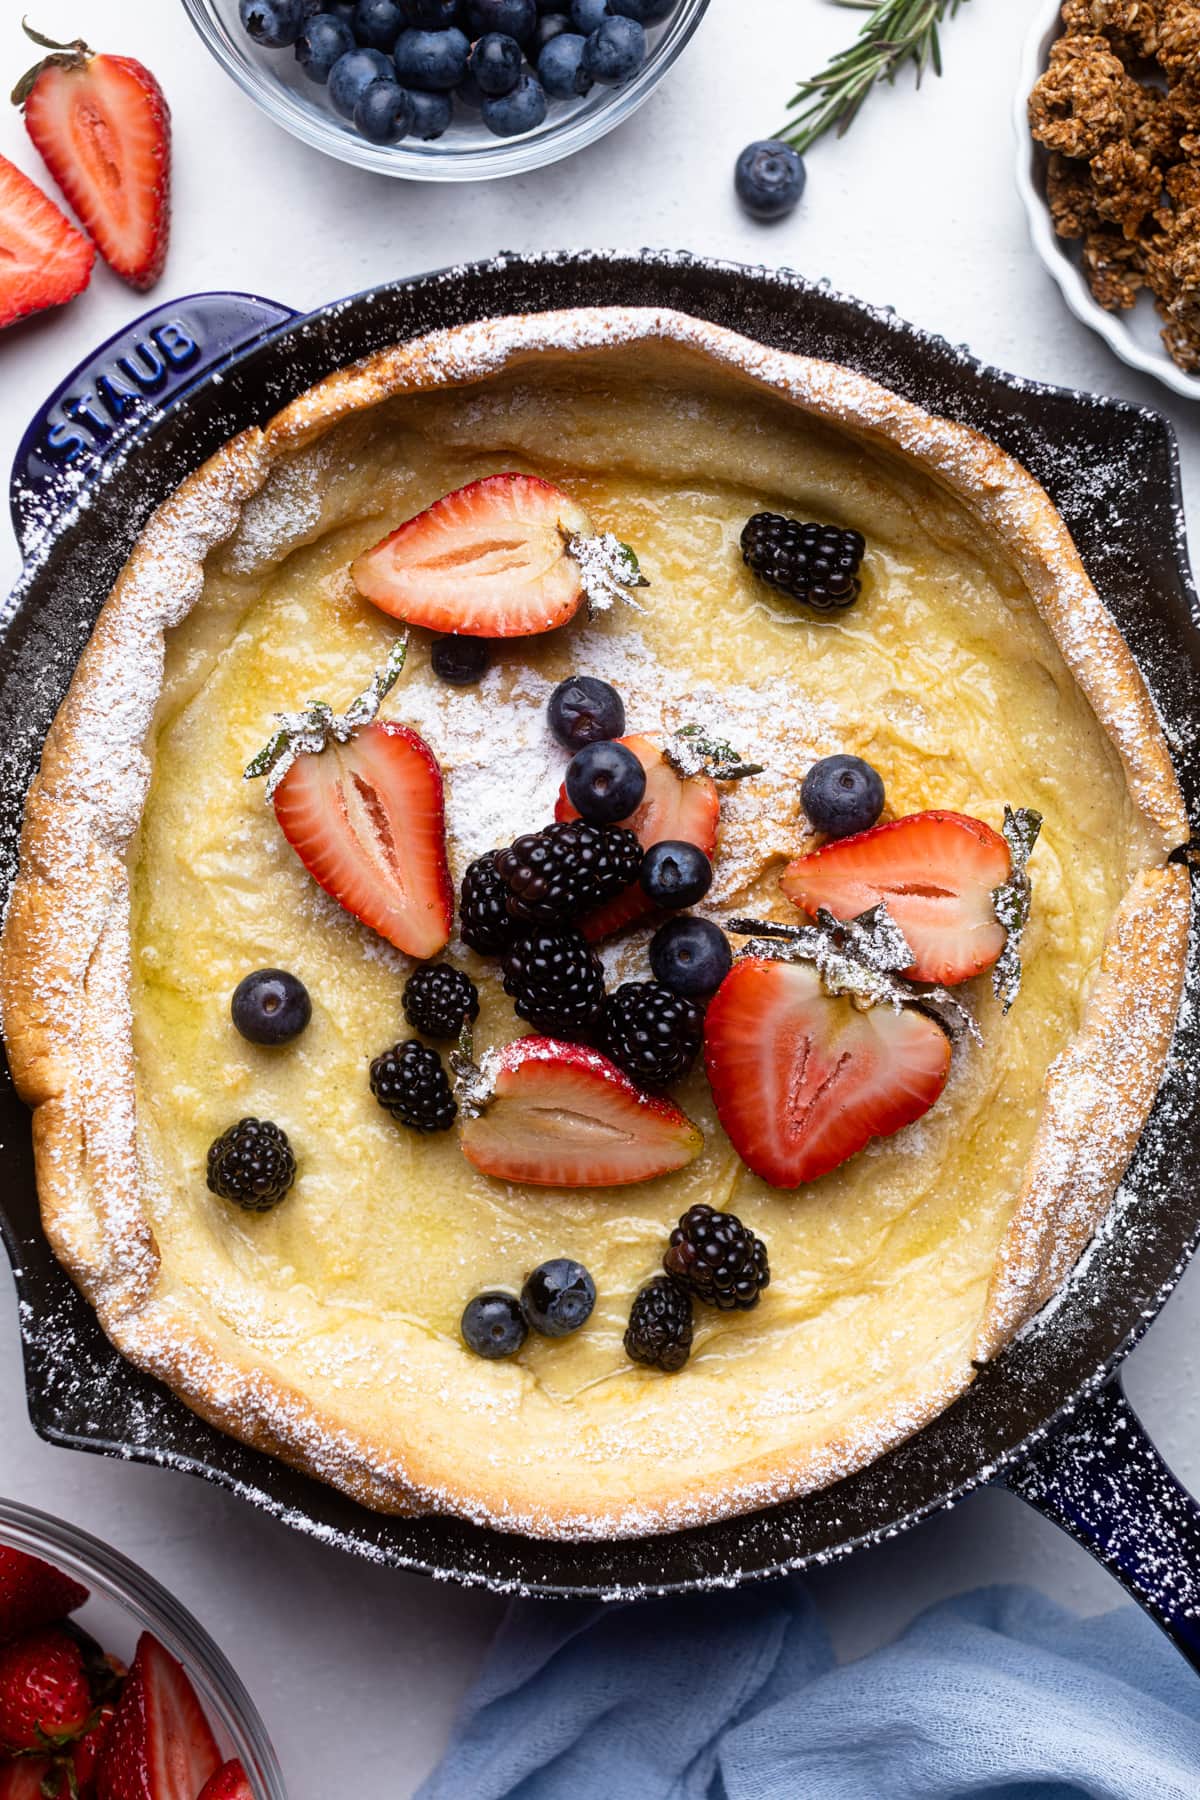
(32, 1593)
(802, 1079)
(104, 130)
(368, 820)
(229, 1783)
(159, 1746)
(489, 560)
(44, 261)
(564, 1116)
(936, 871)
(684, 811)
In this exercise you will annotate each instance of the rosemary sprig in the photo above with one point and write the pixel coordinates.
(897, 32)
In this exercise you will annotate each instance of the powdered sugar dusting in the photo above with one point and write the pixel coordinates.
(257, 1408)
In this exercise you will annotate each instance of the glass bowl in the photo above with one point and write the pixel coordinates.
(124, 1602)
(275, 81)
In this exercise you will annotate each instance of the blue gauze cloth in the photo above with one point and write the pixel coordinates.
(737, 1697)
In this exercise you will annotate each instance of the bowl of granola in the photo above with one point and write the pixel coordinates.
(1108, 129)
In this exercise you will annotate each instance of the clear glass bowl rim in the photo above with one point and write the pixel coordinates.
(438, 160)
(107, 1572)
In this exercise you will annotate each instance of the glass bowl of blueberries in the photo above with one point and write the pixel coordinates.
(447, 90)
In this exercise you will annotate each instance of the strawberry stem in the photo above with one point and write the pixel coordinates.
(859, 958)
(1012, 902)
(75, 55)
(690, 751)
(472, 1087)
(308, 732)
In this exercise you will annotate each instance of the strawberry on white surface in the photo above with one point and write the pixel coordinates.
(103, 128)
(44, 261)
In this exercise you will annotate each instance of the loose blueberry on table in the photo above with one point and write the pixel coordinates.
(769, 178)
(507, 60)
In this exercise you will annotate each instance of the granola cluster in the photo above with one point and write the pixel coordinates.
(1119, 111)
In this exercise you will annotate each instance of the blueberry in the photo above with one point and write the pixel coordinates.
(559, 69)
(270, 1006)
(384, 111)
(675, 874)
(378, 23)
(493, 1325)
(351, 74)
(508, 115)
(513, 18)
(275, 24)
(323, 40)
(588, 15)
(605, 782)
(769, 178)
(615, 51)
(431, 115)
(585, 710)
(341, 9)
(461, 661)
(690, 956)
(432, 59)
(558, 1298)
(842, 795)
(496, 63)
(431, 15)
(549, 26)
(646, 12)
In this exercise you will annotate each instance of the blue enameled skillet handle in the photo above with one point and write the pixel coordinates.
(1099, 1477)
(145, 369)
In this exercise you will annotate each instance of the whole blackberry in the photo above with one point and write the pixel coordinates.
(717, 1259)
(556, 982)
(439, 1001)
(484, 922)
(651, 1033)
(252, 1164)
(659, 1332)
(410, 1083)
(816, 564)
(567, 869)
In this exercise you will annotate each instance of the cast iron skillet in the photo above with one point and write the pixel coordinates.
(1047, 1417)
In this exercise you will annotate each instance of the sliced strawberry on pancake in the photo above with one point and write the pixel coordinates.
(560, 1115)
(367, 819)
(803, 1079)
(507, 556)
(674, 809)
(935, 871)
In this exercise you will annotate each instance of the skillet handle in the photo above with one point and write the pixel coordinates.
(1099, 1477)
(148, 366)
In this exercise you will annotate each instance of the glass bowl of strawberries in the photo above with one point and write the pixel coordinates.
(108, 1688)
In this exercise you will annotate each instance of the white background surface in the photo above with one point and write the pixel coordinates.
(917, 208)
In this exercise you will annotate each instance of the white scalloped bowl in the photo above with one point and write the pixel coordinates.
(1134, 335)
